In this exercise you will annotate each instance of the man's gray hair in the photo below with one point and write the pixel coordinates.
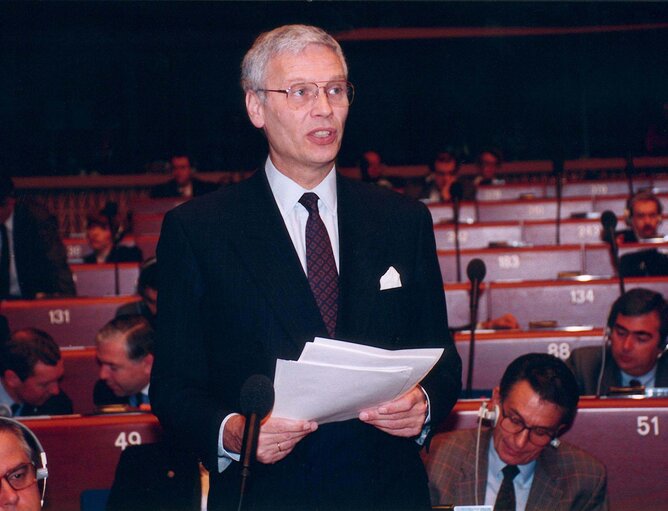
(290, 39)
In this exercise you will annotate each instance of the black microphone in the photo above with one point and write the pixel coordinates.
(476, 271)
(456, 194)
(609, 222)
(257, 400)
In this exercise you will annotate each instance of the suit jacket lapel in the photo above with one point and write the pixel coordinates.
(545, 492)
(359, 247)
(265, 247)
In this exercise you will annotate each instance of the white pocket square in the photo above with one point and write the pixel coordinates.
(390, 280)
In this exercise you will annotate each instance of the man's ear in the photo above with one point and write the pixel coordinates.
(255, 109)
(496, 396)
(12, 379)
(148, 362)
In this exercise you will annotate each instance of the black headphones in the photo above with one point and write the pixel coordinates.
(38, 451)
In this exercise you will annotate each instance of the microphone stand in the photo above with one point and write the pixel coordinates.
(609, 221)
(458, 253)
(558, 174)
(476, 273)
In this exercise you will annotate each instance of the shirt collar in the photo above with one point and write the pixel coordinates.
(287, 192)
(646, 379)
(496, 466)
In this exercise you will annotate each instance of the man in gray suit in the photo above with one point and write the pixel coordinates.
(635, 347)
(519, 464)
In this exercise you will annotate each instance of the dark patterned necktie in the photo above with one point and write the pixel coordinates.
(320, 265)
(505, 499)
(4, 262)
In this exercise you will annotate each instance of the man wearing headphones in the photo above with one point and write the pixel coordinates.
(636, 340)
(19, 490)
(643, 215)
(519, 464)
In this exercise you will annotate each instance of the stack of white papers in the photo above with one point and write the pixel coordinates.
(334, 380)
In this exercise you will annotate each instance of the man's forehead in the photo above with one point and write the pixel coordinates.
(648, 322)
(294, 66)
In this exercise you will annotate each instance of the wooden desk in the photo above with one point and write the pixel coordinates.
(568, 302)
(528, 263)
(156, 206)
(442, 213)
(531, 209)
(495, 350)
(70, 321)
(510, 191)
(627, 435)
(476, 235)
(572, 231)
(99, 279)
(81, 373)
(457, 302)
(83, 452)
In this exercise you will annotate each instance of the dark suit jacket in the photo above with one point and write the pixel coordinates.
(156, 477)
(4, 329)
(586, 365)
(122, 254)
(102, 395)
(234, 298)
(170, 189)
(41, 259)
(566, 478)
(59, 404)
(644, 263)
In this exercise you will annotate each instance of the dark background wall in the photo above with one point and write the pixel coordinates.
(111, 87)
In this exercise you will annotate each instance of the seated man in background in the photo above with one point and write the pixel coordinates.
(101, 240)
(444, 172)
(489, 162)
(33, 260)
(521, 465)
(643, 215)
(147, 289)
(19, 490)
(183, 183)
(125, 355)
(30, 371)
(372, 169)
(634, 353)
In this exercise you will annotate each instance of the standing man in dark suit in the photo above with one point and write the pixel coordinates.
(521, 465)
(183, 183)
(33, 260)
(239, 290)
(635, 349)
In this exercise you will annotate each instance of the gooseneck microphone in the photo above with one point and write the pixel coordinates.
(609, 222)
(475, 271)
(257, 400)
(456, 194)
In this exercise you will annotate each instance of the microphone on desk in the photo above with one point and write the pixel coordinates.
(475, 271)
(456, 195)
(257, 400)
(609, 222)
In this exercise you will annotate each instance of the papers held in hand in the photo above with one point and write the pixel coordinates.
(333, 380)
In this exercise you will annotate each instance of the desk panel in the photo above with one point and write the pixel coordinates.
(99, 279)
(77, 248)
(155, 206)
(83, 451)
(572, 231)
(598, 188)
(623, 434)
(617, 204)
(532, 263)
(494, 351)
(442, 213)
(476, 235)
(457, 301)
(531, 209)
(147, 223)
(81, 373)
(70, 321)
(509, 191)
(568, 302)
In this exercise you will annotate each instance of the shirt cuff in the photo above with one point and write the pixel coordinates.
(427, 422)
(225, 458)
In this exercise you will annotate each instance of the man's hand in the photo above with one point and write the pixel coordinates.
(403, 416)
(277, 436)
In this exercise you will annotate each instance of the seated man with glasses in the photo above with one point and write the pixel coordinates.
(18, 484)
(519, 463)
(637, 331)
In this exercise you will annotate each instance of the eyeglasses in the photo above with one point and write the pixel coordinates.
(514, 424)
(299, 95)
(21, 477)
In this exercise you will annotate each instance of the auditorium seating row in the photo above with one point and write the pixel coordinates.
(530, 209)
(623, 433)
(75, 321)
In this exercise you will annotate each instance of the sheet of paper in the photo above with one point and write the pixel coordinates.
(333, 380)
(324, 393)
